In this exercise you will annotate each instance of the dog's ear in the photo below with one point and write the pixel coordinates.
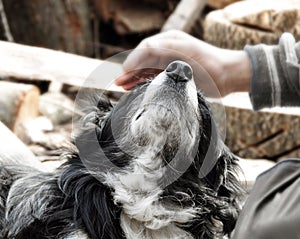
(219, 169)
(92, 202)
(218, 162)
(228, 186)
(208, 145)
(224, 175)
(223, 179)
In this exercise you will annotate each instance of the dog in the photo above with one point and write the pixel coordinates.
(151, 166)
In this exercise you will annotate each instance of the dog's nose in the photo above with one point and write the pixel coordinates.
(179, 71)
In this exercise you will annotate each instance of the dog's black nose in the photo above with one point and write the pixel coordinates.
(179, 71)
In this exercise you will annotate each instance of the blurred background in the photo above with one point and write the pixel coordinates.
(101, 28)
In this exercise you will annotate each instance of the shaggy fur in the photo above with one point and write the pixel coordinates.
(150, 167)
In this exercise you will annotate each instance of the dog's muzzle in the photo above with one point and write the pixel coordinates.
(169, 103)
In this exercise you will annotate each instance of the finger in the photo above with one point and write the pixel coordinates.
(132, 84)
(126, 78)
(135, 77)
(131, 76)
(148, 53)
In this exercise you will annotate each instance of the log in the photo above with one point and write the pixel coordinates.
(185, 15)
(14, 151)
(68, 23)
(252, 22)
(57, 107)
(267, 134)
(19, 103)
(35, 63)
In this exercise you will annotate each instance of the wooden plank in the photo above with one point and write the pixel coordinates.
(34, 63)
(185, 15)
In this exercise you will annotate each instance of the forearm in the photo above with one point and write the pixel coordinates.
(230, 70)
(275, 74)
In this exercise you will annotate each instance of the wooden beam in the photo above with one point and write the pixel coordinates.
(34, 63)
(185, 15)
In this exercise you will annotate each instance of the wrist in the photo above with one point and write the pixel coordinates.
(237, 72)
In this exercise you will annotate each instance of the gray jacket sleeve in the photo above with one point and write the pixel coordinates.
(275, 73)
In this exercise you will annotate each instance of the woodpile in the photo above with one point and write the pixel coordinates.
(268, 134)
(252, 22)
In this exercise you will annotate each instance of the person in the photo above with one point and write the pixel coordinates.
(270, 73)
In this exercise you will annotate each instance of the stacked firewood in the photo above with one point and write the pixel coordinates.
(251, 22)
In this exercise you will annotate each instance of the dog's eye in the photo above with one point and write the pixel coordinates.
(139, 115)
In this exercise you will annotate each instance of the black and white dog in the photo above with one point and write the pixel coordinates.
(150, 167)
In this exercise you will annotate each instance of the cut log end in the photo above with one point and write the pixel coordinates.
(20, 105)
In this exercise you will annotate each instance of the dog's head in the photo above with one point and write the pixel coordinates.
(160, 117)
(159, 152)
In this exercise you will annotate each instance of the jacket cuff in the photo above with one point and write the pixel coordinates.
(275, 73)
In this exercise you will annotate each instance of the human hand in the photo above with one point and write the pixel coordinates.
(217, 71)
